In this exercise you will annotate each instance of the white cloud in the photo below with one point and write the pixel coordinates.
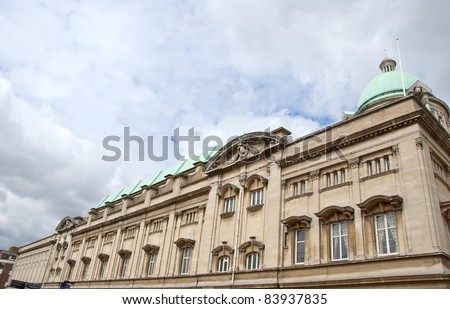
(46, 172)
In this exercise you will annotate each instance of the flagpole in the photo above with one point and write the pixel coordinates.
(401, 68)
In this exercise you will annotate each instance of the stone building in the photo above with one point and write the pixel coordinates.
(7, 260)
(364, 202)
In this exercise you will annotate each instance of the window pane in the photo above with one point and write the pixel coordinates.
(380, 222)
(185, 261)
(223, 264)
(390, 218)
(335, 229)
(382, 247)
(336, 253)
(253, 260)
(392, 234)
(344, 249)
(300, 244)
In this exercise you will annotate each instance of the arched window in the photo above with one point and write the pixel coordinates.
(256, 185)
(223, 264)
(252, 253)
(252, 261)
(228, 198)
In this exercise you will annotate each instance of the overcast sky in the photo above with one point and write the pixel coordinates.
(75, 72)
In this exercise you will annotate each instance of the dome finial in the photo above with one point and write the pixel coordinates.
(387, 65)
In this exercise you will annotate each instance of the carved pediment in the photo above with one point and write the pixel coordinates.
(244, 149)
(333, 214)
(380, 204)
(150, 249)
(65, 224)
(297, 222)
(184, 243)
(222, 249)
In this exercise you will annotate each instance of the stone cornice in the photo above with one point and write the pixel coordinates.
(151, 208)
(421, 117)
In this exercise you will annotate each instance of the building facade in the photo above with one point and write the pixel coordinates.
(364, 202)
(7, 260)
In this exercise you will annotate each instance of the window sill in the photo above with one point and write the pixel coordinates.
(298, 196)
(254, 207)
(344, 184)
(228, 214)
(395, 170)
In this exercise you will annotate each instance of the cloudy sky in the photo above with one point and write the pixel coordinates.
(75, 72)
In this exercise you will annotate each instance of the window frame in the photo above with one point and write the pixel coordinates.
(124, 266)
(185, 261)
(252, 259)
(297, 243)
(151, 263)
(341, 237)
(257, 197)
(223, 260)
(386, 230)
(229, 204)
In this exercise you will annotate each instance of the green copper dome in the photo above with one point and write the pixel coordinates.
(385, 85)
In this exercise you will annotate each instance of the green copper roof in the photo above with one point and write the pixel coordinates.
(383, 86)
(180, 167)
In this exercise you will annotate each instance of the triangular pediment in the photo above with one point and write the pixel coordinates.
(245, 149)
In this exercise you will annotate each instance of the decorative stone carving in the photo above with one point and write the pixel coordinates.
(244, 149)
(353, 163)
(419, 143)
(315, 174)
(243, 180)
(297, 222)
(380, 204)
(396, 150)
(333, 214)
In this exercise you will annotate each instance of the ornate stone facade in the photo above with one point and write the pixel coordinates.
(366, 206)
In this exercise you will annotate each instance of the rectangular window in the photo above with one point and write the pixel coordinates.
(386, 227)
(256, 197)
(343, 179)
(69, 275)
(387, 164)
(335, 178)
(185, 260)
(229, 204)
(300, 247)
(295, 189)
(123, 271)
(339, 241)
(328, 180)
(303, 187)
(151, 264)
(369, 168)
(103, 265)
(378, 166)
(85, 270)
